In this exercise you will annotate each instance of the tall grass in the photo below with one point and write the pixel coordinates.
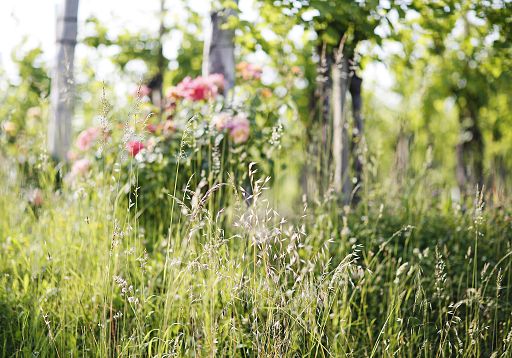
(80, 275)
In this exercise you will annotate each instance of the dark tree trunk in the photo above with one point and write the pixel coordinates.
(498, 178)
(325, 85)
(469, 152)
(219, 49)
(334, 80)
(315, 174)
(357, 131)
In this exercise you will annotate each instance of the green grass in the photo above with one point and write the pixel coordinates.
(81, 277)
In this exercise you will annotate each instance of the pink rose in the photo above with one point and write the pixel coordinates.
(35, 197)
(221, 120)
(143, 91)
(239, 128)
(199, 88)
(217, 80)
(80, 167)
(169, 127)
(86, 138)
(72, 155)
(173, 94)
(134, 147)
(248, 71)
(151, 127)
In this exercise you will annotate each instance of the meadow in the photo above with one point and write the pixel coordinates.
(249, 212)
(227, 275)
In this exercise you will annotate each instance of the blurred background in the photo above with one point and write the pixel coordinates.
(435, 76)
(256, 177)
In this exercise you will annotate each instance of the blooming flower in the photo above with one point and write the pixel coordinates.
(249, 71)
(239, 128)
(151, 144)
(173, 96)
(72, 155)
(221, 120)
(169, 127)
(217, 80)
(296, 70)
(151, 127)
(86, 138)
(80, 167)
(143, 91)
(266, 92)
(199, 88)
(34, 112)
(134, 147)
(171, 102)
(9, 128)
(35, 197)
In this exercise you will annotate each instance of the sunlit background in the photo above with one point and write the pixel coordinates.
(322, 178)
(30, 23)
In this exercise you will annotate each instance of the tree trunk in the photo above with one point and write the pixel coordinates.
(325, 94)
(62, 89)
(340, 143)
(156, 84)
(469, 152)
(357, 131)
(498, 182)
(161, 58)
(324, 83)
(498, 178)
(219, 48)
(402, 151)
(315, 173)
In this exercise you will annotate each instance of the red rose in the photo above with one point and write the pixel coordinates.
(134, 147)
(151, 127)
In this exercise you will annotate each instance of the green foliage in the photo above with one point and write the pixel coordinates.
(334, 19)
(29, 90)
(23, 110)
(147, 47)
(460, 52)
(77, 277)
(181, 249)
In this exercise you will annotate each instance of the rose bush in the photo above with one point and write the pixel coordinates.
(199, 131)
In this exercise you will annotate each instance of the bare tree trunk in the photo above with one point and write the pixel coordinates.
(325, 89)
(497, 183)
(62, 90)
(315, 174)
(357, 131)
(402, 151)
(340, 142)
(219, 48)
(156, 83)
(324, 153)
